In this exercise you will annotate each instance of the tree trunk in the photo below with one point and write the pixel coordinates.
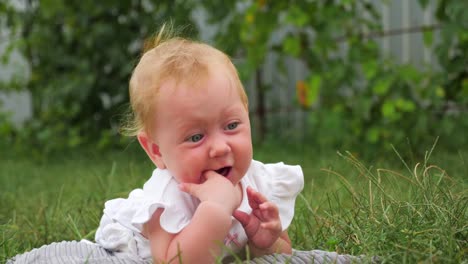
(260, 111)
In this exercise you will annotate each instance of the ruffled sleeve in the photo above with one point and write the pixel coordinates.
(162, 191)
(123, 219)
(281, 184)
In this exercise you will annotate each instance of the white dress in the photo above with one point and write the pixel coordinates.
(123, 219)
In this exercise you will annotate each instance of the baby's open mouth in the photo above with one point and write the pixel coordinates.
(224, 171)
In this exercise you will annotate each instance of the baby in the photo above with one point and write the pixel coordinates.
(207, 198)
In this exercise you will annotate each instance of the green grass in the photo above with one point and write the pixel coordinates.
(404, 212)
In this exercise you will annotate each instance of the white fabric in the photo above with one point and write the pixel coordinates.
(123, 219)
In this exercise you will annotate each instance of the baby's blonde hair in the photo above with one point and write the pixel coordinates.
(171, 58)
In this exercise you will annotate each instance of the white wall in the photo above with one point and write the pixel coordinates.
(16, 104)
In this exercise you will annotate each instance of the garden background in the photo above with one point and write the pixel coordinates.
(370, 97)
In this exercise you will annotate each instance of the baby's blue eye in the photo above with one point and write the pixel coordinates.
(232, 126)
(195, 138)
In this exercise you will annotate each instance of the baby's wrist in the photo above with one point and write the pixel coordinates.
(224, 205)
(216, 209)
(278, 246)
(258, 251)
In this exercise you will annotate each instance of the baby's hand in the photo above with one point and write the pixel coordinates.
(262, 226)
(215, 189)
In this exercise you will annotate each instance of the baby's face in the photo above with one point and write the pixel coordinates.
(203, 128)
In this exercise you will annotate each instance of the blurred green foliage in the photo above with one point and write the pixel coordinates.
(355, 96)
(81, 56)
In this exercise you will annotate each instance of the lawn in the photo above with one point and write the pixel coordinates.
(402, 211)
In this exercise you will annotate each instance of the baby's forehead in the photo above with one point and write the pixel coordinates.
(173, 87)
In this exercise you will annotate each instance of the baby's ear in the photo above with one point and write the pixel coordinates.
(152, 149)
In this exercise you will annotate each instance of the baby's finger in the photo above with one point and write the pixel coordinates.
(242, 217)
(255, 198)
(190, 188)
(273, 225)
(269, 211)
(210, 174)
(259, 215)
(270, 208)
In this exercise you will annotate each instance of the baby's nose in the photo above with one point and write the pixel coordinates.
(219, 148)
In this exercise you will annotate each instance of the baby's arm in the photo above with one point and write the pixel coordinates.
(198, 242)
(201, 240)
(263, 226)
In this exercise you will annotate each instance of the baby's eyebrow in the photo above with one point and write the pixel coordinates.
(234, 110)
(185, 124)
